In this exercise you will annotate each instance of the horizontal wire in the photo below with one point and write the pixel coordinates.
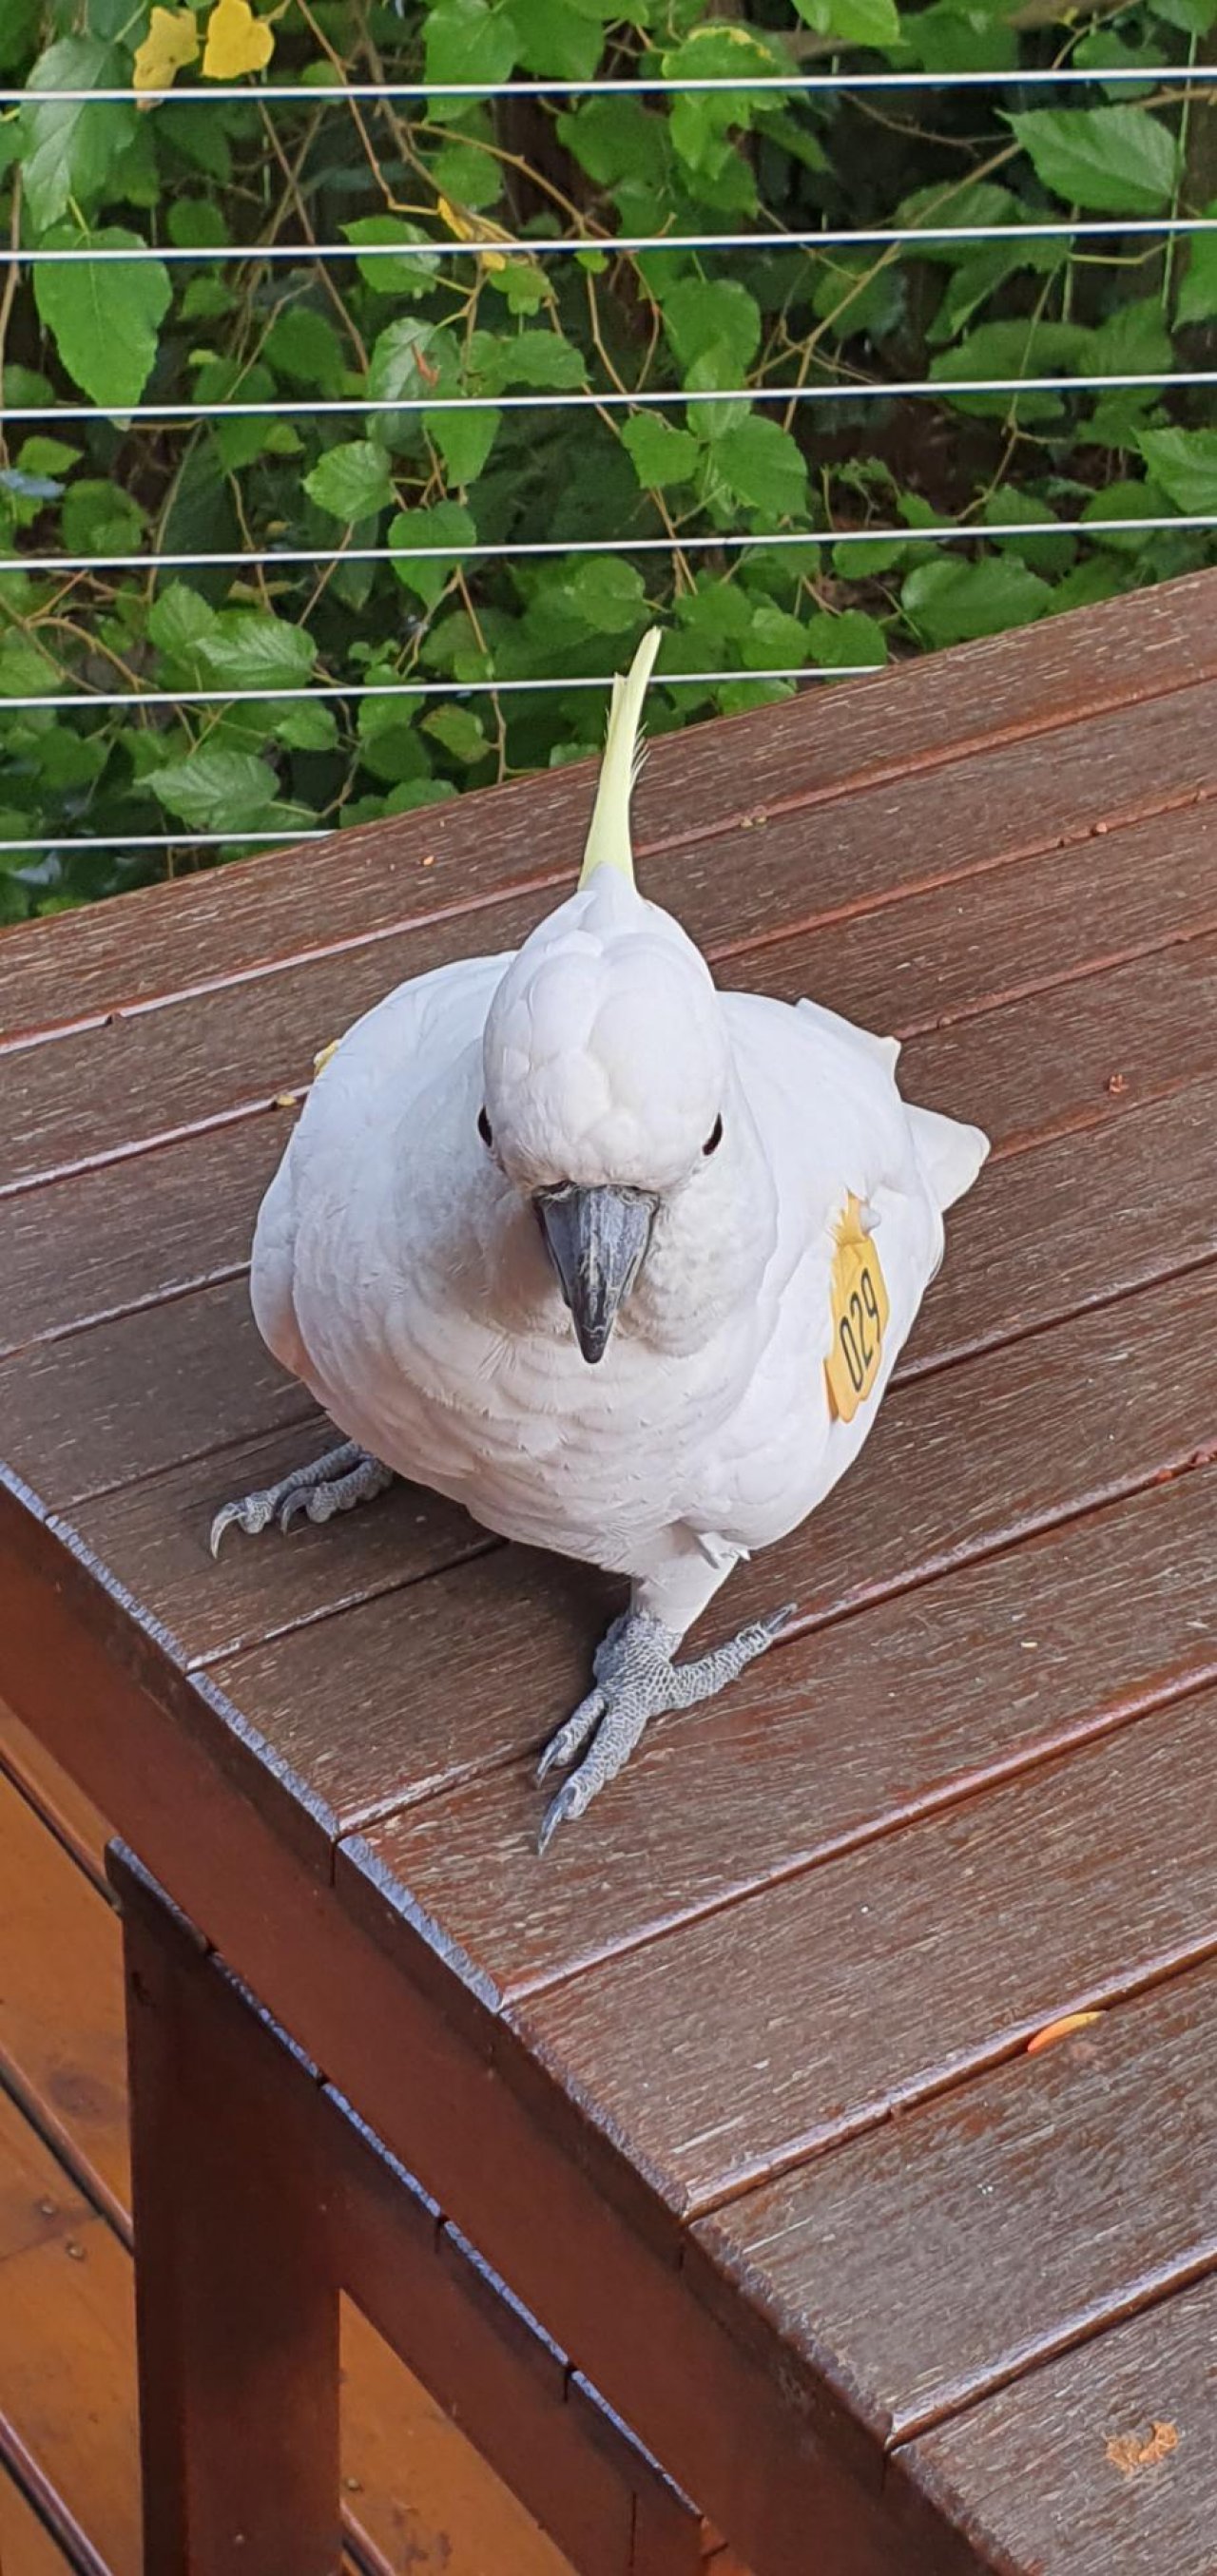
(646, 84)
(424, 688)
(613, 244)
(158, 840)
(508, 549)
(609, 401)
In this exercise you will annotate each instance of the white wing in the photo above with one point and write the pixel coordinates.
(381, 1066)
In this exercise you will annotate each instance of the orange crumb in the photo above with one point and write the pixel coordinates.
(1116, 1083)
(1127, 2452)
(1062, 2029)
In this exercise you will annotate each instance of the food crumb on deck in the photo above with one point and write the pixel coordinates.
(1127, 2452)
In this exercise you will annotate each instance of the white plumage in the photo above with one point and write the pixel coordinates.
(400, 1269)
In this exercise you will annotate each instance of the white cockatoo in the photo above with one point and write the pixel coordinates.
(619, 1262)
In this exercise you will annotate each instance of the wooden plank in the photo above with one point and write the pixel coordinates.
(61, 2040)
(142, 1075)
(456, 2098)
(63, 1807)
(125, 1398)
(76, 1252)
(26, 2546)
(815, 749)
(1070, 1224)
(984, 1672)
(877, 1989)
(1101, 2465)
(61, 2010)
(507, 1638)
(158, 1530)
(1095, 2152)
(415, 2488)
(65, 2346)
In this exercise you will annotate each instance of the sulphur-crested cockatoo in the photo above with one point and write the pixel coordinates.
(620, 1262)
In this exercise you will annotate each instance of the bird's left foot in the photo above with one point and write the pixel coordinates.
(636, 1680)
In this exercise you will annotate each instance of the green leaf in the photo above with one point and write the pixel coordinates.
(100, 519)
(307, 727)
(469, 40)
(179, 621)
(248, 648)
(847, 639)
(542, 360)
(1008, 349)
(396, 365)
(1184, 462)
(445, 523)
(304, 349)
(614, 139)
(26, 671)
(853, 22)
(949, 602)
(390, 745)
(1108, 160)
(1011, 506)
(464, 440)
(950, 38)
(196, 223)
(1193, 17)
(605, 594)
(104, 317)
(763, 466)
(1198, 292)
(1127, 500)
(352, 482)
(460, 732)
(1133, 341)
(557, 39)
(412, 275)
(38, 455)
(661, 454)
(216, 791)
(714, 328)
(70, 149)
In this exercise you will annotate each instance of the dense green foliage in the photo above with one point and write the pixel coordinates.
(433, 321)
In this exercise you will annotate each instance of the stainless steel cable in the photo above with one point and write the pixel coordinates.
(613, 400)
(612, 245)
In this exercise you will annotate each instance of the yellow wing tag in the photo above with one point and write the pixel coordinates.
(860, 1312)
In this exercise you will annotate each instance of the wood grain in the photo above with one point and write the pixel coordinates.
(1088, 1877)
(980, 1672)
(506, 1639)
(140, 1227)
(73, 1254)
(138, 1076)
(65, 2346)
(1016, 2214)
(63, 1807)
(61, 2011)
(26, 2546)
(1030, 2474)
(813, 750)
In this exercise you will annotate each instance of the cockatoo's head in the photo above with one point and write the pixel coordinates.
(605, 1059)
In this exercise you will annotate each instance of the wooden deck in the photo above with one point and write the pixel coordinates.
(418, 2499)
(735, 2091)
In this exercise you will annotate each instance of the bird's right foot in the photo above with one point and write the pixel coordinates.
(335, 1483)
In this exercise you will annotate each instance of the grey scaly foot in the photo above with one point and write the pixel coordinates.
(636, 1680)
(335, 1483)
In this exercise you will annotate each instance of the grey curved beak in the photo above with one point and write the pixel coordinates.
(597, 1241)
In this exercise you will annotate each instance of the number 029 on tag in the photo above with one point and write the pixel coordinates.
(860, 1312)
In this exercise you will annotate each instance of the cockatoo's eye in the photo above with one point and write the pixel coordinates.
(714, 1139)
(485, 1130)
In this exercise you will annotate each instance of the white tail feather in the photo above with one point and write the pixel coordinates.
(608, 839)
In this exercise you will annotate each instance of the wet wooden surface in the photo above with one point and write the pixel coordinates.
(753, 2042)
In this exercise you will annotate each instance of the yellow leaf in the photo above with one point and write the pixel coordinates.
(236, 41)
(460, 225)
(172, 41)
